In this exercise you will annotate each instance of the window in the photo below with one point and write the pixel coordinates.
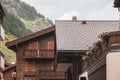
(14, 78)
(50, 44)
(30, 66)
(82, 78)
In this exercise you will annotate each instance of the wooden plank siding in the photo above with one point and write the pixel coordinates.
(9, 73)
(51, 75)
(33, 45)
(39, 53)
(35, 57)
(30, 66)
(99, 74)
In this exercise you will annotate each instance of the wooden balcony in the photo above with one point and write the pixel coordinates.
(112, 42)
(38, 54)
(114, 39)
(51, 75)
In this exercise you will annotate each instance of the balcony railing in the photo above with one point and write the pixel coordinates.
(114, 38)
(51, 75)
(38, 53)
(14, 74)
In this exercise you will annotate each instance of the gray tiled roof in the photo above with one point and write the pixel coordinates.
(73, 35)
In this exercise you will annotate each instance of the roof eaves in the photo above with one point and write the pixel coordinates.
(72, 51)
(31, 36)
(10, 67)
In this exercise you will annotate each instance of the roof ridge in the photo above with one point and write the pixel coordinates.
(88, 20)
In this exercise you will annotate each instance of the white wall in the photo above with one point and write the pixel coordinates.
(2, 63)
(113, 66)
(85, 74)
(2, 33)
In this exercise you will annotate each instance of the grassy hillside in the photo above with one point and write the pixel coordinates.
(10, 56)
(20, 20)
(27, 14)
(14, 25)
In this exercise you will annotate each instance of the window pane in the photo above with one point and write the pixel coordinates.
(82, 78)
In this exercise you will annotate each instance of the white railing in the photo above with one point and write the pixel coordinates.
(14, 74)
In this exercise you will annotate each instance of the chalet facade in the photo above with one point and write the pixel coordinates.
(73, 40)
(104, 63)
(36, 56)
(9, 73)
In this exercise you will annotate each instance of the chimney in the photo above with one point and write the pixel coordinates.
(84, 22)
(74, 18)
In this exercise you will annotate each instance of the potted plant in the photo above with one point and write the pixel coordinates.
(104, 36)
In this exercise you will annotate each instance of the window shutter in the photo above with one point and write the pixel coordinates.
(33, 45)
(50, 44)
(30, 66)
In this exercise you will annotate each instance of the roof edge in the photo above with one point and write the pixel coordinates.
(10, 67)
(30, 36)
(72, 51)
(88, 20)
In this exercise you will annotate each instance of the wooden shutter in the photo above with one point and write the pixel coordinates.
(50, 44)
(30, 66)
(33, 45)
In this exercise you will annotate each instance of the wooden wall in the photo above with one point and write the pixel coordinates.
(34, 65)
(7, 75)
(97, 71)
(99, 74)
(75, 69)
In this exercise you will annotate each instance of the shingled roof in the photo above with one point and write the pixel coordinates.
(80, 35)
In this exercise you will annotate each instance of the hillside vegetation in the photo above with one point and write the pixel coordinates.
(20, 20)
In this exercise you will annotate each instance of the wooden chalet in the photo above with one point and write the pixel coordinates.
(104, 64)
(36, 56)
(73, 38)
(9, 73)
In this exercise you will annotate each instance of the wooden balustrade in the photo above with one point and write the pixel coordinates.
(14, 74)
(113, 39)
(51, 75)
(38, 53)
